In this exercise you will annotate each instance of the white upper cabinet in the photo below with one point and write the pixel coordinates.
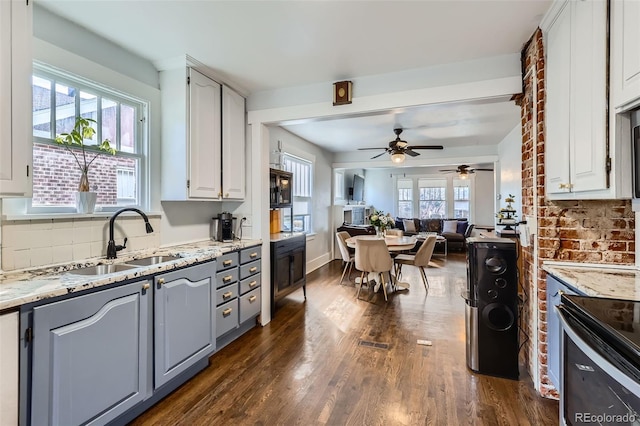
(625, 54)
(16, 146)
(233, 144)
(580, 158)
(203, 137)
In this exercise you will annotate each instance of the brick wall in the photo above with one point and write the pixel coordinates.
(575, 231)
(57, 175)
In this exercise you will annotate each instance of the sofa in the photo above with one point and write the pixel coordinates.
(455, 231)
(354, 230)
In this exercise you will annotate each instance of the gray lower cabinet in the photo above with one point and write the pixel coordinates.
(227, 293)
(184, 320)
(555, 288)
(90, 356)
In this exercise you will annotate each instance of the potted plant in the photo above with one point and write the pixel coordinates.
(380, 221)
(74, 140)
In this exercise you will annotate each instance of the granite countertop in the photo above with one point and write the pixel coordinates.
(26, 286)
(599, 280)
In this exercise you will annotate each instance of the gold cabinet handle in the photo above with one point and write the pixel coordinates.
(227, 312)
(227, 278)
(253, 283)
(145, 286)
(160, 281)
(565, 186)
(253, 298)
(253, 269)
(227, 295)
(227, 262)
(254, 254)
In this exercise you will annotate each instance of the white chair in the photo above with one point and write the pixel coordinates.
(372, 256)
(395, 232)
(421, 259)
(347, 256)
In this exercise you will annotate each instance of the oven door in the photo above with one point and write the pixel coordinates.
(597, 384)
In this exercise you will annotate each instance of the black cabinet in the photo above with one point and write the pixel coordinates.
(288, 267)
(280, 183)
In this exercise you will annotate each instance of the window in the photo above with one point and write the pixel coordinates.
(433, 198)
(460, 198)
(339, 185)
(405, 198)
(302, 193)
(118, 179)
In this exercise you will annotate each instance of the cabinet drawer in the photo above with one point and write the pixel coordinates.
(250, 254)
(250, 283)
(226, 277)
(227, 261)
(249, 269)
(225, 294)
(226, 317)
(250, 305)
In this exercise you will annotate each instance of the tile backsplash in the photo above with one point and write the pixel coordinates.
(39, 242)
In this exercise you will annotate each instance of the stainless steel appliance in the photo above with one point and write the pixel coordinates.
(491, 311)
(600, 367)
(223, 226)
(635, 152)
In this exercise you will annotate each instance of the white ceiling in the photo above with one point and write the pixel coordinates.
(267, 45)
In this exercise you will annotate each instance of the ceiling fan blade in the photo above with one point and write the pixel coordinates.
(363, 149)
(411, 153)
(425, 147)
(447, 170)
(484, 170)
(376, 156)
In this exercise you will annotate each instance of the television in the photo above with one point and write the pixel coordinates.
(358, 188)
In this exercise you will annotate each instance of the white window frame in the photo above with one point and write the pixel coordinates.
(405, 186)
(301, 191)
(141, 146)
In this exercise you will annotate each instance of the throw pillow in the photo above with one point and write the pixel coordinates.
(409, 225)
(450, 226)
(461, 228)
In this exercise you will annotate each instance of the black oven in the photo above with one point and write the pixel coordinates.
(600, 368)
(635, 152)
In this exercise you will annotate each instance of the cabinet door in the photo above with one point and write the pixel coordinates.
(233, 145)
(588, 96)
(90, 356)
(282, 275)
(558, 82)
(184, 324)
(9, 367)
(625, 51)
(205, 153)
(16, 148)
(298, 266)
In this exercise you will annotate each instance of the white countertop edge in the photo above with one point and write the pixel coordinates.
(561, 264)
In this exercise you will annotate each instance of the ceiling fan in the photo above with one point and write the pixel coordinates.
(398, 148)
(464, 171)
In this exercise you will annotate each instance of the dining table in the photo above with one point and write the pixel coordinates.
(395, 245)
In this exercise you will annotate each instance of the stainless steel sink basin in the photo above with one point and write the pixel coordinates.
(153, 260)
(101, 269)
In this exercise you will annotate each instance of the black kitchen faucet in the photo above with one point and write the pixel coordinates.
(112, 248)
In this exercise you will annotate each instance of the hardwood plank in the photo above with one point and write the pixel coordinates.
(307, 366)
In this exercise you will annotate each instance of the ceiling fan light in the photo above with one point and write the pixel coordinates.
(397, 157)
(463, 175)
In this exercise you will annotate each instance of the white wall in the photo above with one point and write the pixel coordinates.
(509, 174)
(483, 196)
(319, 244)
(379, 190)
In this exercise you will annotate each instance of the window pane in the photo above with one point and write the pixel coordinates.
(109, 120)
(127, 128)
(89, 109)
(433, 198)
(41, 107)
(65, 108)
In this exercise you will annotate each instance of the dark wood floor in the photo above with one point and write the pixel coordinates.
(307, 366)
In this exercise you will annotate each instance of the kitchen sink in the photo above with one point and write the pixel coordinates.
(101, 269)
(153, 260)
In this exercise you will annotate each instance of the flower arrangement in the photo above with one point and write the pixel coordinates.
(380, 220)
(75, 139)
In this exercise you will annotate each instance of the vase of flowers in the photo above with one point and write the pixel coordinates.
(74, 141)
(381, 222)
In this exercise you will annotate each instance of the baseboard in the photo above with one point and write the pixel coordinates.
(319, 261)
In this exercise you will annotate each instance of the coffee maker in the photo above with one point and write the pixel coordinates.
(223, 227)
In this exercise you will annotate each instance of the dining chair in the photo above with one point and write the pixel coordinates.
(420, 259)
(372, 256)
(395, 232)
(347, 255)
